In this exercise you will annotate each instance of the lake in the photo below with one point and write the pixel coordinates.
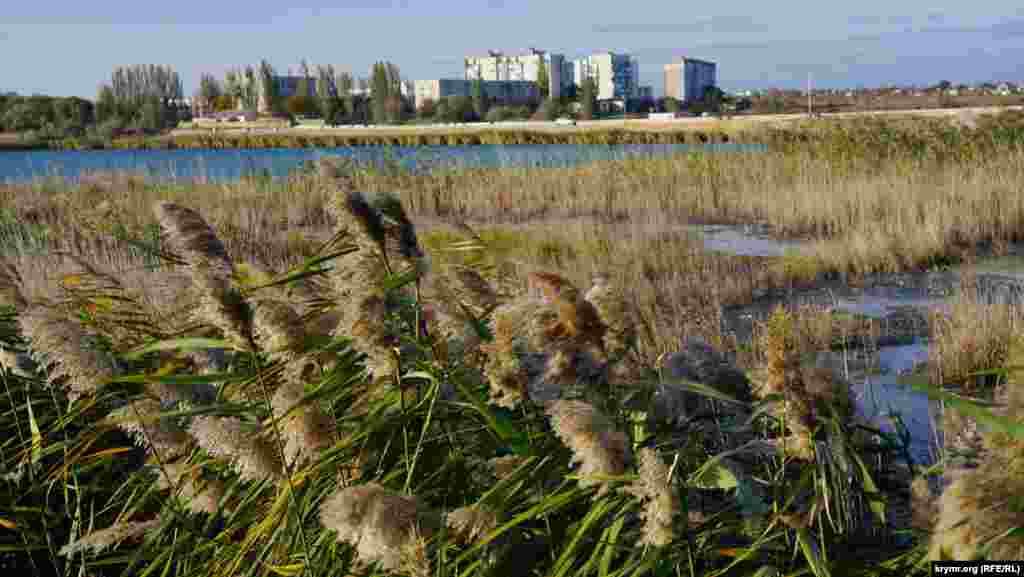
(231, 164)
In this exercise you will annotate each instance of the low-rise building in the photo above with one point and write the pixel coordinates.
(286, 87)
(498, 91)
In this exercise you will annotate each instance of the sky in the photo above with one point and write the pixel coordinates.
(70, 47)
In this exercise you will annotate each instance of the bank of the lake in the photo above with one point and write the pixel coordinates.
(221, 165)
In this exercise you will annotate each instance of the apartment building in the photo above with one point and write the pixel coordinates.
(497, 66)
(499, 91)
(686, 79)
(617, 76)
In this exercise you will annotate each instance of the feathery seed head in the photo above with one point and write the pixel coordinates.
(278, 328)
(113, 535)
(471, 522)
(590, 435)
(251, 456)
(378, 522)
(189, 233)
(662, 503)
(306, 429)
(161, 435)
(55, 339)
(199, 496)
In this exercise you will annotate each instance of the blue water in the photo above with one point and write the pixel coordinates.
(231, 164)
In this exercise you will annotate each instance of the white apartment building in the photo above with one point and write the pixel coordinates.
(617, 76)
(497, 66)
(686, 79)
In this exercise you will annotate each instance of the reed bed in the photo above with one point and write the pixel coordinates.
(376, 409)
(290, 378)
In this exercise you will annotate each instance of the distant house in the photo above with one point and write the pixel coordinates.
(287, 86)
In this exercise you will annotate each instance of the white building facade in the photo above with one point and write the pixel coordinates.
(497, 66)
(617, 76)
(686, 79)
(498, 91)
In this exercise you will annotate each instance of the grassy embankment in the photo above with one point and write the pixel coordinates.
(873, 197)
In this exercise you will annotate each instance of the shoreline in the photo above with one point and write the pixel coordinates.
(684, 130)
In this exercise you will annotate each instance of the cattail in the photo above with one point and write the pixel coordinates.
(595, 444)
(662, 503)
(141, 419)
(380, 524)
(220, 304)
(305, 428)
(197, 496)
(55, 339)
(471, 522)
(251, 456)
(113, 535)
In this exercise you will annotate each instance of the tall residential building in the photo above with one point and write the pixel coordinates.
(686, 79)
(519, 67)
(617, 75)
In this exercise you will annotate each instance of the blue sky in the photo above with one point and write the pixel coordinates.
(66, 47)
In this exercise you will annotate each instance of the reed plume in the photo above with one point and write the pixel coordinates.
(661, 501)
(99, 540)
(596, 445)
(471, 522)
(62, 344)
(304, 426)
(198, 496)
(251, 456)
(381, 525)
(220, 303)
(159, 435)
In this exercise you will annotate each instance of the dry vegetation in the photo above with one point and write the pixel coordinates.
(318, 387)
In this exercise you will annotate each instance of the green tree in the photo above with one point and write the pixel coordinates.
(300, 105)
(379, 92)
(250, 94)
(543, 80)
(479, 99)
(106, 104)
(327, 98)
(551, 109)
(712, 99)
(268, 86)
(588, 100)
(426, 109)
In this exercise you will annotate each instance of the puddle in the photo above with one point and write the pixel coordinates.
(880, 307)
(881, 394)
(745, 240)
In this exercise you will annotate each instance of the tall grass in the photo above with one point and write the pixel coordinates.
(369, 423)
